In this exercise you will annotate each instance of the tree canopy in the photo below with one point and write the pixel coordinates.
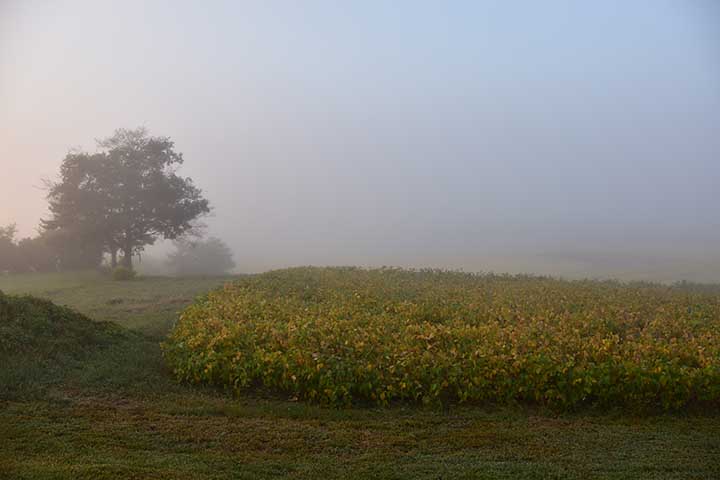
(125, 196)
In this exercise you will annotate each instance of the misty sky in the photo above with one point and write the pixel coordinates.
(543, 136)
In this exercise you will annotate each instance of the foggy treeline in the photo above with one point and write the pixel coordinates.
(107, 206)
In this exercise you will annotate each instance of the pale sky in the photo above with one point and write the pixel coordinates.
(561, 137)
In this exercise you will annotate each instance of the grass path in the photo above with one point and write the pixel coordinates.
(119, 414)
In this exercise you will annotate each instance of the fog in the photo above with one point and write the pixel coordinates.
(565, 138)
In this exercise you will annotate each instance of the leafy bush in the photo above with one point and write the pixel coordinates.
(337, 335)
(123, 273)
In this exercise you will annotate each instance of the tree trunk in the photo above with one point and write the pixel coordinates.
(113, 257)
(127, 257)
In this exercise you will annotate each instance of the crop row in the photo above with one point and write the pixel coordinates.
(342, 335)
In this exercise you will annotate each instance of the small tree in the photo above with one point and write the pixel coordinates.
(8, 249)
(201, 257)
(37, 255)
(126, 196)
(46, 252)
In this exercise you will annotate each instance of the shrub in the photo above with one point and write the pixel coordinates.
(338, 335)
(201, 257)
(123, 273)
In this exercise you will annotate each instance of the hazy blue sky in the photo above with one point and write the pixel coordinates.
(460, 134)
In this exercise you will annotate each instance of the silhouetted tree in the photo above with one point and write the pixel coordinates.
(201, 257)
(124, 197)
(80, 209)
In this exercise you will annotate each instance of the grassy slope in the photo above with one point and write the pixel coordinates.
(148, 304)
(120, 415)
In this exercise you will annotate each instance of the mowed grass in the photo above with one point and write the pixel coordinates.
(118, 413)
(147, 304)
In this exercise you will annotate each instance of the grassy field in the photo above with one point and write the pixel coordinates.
(117, 413)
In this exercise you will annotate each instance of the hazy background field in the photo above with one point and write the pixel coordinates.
(564, 138)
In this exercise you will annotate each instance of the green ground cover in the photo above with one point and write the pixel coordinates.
(115, 411)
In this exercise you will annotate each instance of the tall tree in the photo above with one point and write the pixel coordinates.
(125, 196)
(78, 228)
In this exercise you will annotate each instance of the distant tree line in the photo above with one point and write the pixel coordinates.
(47, 252)
(52, 251)
(111, 203)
